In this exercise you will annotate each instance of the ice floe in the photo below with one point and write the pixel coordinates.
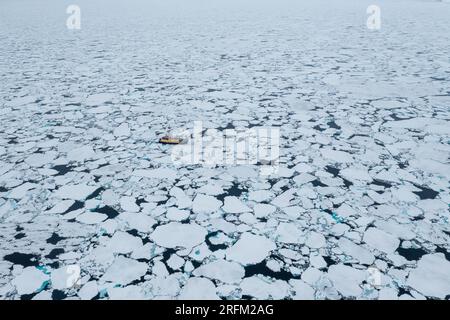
(187, 235)
(75, 192)
(30, 280)
(134, 271)
(360, 183)
(199, 289)
(250, 249)
(431, 277)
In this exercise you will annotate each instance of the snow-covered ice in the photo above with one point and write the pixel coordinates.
(357, 208)
(175, 234)
(250, 249)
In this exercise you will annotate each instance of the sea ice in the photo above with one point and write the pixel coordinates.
(222, 270)
(61, 207)
(176, 214)
(206, 204)
(262, 288)
(123, 242)
(75, 192)
(187, 235)
(289, 233)
(134, 271)
(358, 252)
(431, 277)
(347, 280)
(138, 221)
(122, 131)
(360, 178)
(131, 292)
(262, 210)
(88, 291)
(159, 173)
(198, 289)
(303, 291)
(381, 240)
(81, 154)
(91, 217)
(234, 205)
(315, 240)
(250, 249)
(129, 204)
(175, 262)
(30, 280)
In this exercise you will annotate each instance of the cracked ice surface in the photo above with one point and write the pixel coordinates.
(359, 207)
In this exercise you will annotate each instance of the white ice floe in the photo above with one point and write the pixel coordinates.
(263, 210)
(30, 280)
(388, 293)
(115, 273)
(91, 217)
(263, 288)
(432, 205)
(138, 220)
(187, 235)
(122, 131)
(88, 291)
(356, 174)
(75, 192)
(381, 240)
(250, 249)
(347, 280)
(431, 277)
(109, 197)
(315, 240)
(234, 205)
(401, 230)
(123, 242)
(362, 167)
(222, 270)
(317, 261)
(336, 155)
(223, 225)
(131, 292)
(404, 194)
(64, 278)
(260, 195)
(176, 214)
(211, 189)
(81, 154)
(61, 207)
(43, 295)
(303, 291)
(40, 159)
(198, 289)
(166, 287)
(355, 251)
(273, 265)
(205, 204)
(97, 99)
(183, 201)
(147, 251)
(283, 200)
(20, 191)
(129, 204)
(158, 173)
(289, 233)
(311, 275)
(175, 262)
(303, 178)
(159, 269)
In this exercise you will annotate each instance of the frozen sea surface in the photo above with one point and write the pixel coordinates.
(358, 209)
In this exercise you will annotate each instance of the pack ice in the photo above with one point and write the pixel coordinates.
(356, 205)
